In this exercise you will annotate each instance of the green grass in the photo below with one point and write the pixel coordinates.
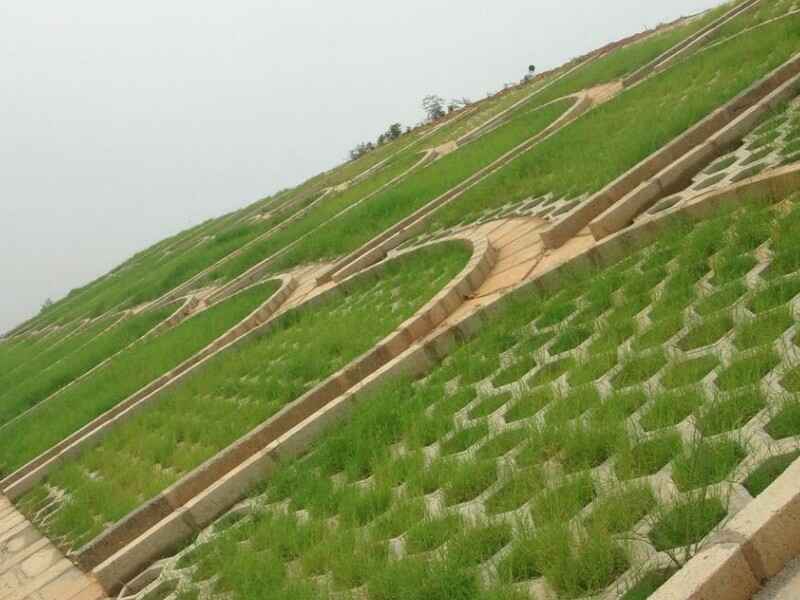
(764, 330)
(709, 332)
(688, 372)
(88, 352)
(574, 162)
(647, 457)
(705, 463)
(648, 584)
(528, 405)
(369, 474)
(52, 421)
(623, 61)
(621, 510)
(668, 410)
(730, 414)
(747, 371)
(768, 471)
(237, 390)
(639, 369)
(314, 218)
(659, 333)
(787, 422)
(775, 295)
(688, 522)
(357, 226)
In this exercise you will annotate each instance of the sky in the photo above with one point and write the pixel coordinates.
(124, 122)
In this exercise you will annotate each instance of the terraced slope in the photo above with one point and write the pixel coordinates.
(56, 417)
(235, 392)
(582, 442)
(546, 347)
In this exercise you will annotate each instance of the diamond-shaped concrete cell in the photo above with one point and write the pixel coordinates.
(468, 480)
(730, 413)
(721, 299)
(659, 332)
(791, 382)
(570, 338)
(668, 410)
(528, 405)
(748, 371)
(516, 492)
(639, 369)
(768, 471)
(764, 330)
(551, 371)
(592, 369)
(687, 523)
(502, 444)
(515, 371)
(706, 463)
(432, 533)
(465, 438)
(620, 511)
(574, 404)
(489, 405)
(786, 423)
(710, 331)
(647, 457)
(555, 314)
(688, 372)
(732, 267)
(564, 502)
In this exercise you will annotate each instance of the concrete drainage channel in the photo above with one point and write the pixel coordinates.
(202, 495)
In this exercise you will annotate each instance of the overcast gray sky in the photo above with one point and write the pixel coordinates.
(124, 122)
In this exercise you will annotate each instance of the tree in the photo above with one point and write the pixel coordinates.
(362, 149)
(433, 106)
(395, 131)
(46, 304)
(531, 69)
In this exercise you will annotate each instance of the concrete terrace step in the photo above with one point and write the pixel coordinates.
(31, 568)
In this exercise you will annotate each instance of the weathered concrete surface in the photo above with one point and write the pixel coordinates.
(31, 568)
(786, 586)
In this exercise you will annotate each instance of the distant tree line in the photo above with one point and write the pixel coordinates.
(435, 108)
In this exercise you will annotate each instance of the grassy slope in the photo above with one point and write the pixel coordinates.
(24, 393)
(601, 145)
(129, 371)
(356, 473)
(239, 389)
(359, 225)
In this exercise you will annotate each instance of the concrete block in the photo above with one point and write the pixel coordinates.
(153, 544)
(227, 491)
(770, 525)
(718, 573)
(621, 215)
